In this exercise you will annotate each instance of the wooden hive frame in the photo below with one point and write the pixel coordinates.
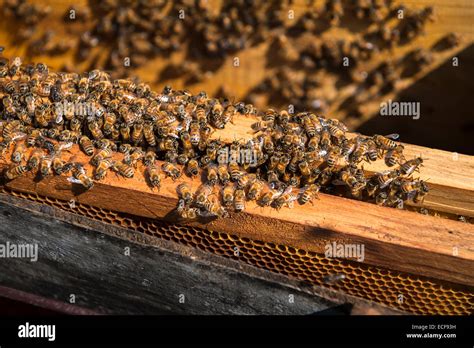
(402, 240)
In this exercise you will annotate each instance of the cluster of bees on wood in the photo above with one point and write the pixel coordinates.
(296, 155)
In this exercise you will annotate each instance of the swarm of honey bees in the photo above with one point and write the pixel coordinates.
(169, 134)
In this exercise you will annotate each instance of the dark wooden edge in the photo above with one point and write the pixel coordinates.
(93, 232)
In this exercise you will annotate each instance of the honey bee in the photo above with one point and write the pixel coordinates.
(101, 155)
(325, 176)
(185, 193)
(95, 130)
(287, 199)
(239, 200)
(126, 149)
(186, 212)
(134, 157)
(308, 193)
(381, 198)
(255, 189)
(228, 194)
(125, 132)
(229, 114)
(80, 177)
(372, 152)
(202, 195)
(205, 161)
(386, 142)
(100, 170)
(361, 149)
(9, 129)
(336, 131)
(267, 144)
(106, 144)
(261, 126)
(109, 122)
(83, 85)
(409, 167)
(60, 166)
(282, 164)
(192, 167)
(18, 153)
(35, 159)
(273, 179)
(68, 136)
(283, 118)
(234, 170)
(171, 170)
(395, 202)
(333, 156)
(245, 180)
(309, 126)
(153, 176)
(394, 156)
(422, 191)
(123, 169)
(213, 209)
(137, 133)
(53, 133)
(149, 134)
(217, 111)
(33, 138)
(223, 173)
(267, 197)
(325, 141)
(201, 116)
(186, 141)
(304, 168)
(195, 134)
(15, 171)
(383, 179)
(142, 90)
(212, 175)
(371, 188)
(150, 157)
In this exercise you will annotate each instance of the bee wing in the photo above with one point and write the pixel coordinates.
(386, 183)
(289, 189)
(74, 180)
(393, 136)
(19, 135)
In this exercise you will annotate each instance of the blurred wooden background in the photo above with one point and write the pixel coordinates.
(443, 90)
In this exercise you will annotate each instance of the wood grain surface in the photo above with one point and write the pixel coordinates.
(397, 239)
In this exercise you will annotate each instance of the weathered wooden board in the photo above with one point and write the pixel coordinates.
(90, 260)
(396, 239)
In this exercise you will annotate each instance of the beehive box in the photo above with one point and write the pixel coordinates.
(414, 263)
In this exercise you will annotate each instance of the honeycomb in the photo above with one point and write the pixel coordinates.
(407, 292)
